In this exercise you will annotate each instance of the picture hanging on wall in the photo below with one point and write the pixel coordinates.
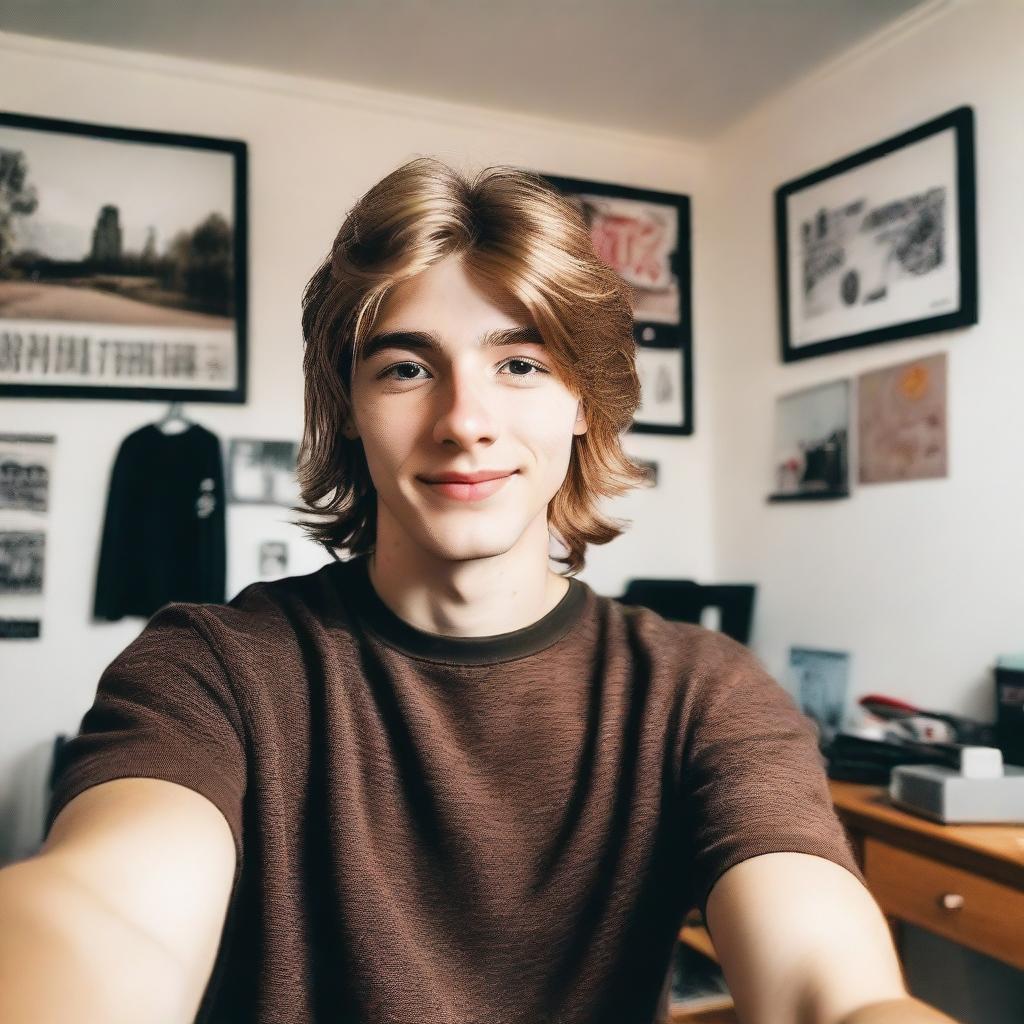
(262, 472)
(645, 237)
(123, 263)
(821, 681)
(26, 471)
(812, 431)
(901, 422)
(273, 559)
(882, 244)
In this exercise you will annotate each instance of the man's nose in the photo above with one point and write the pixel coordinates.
(463, 417)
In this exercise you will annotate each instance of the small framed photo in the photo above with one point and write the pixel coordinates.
(880, 245)
(821, 680)
(123, 263)
(903, 421)
(645, 237)
(812, 441)
(262, 472)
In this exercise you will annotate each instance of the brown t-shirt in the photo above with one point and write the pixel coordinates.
(456, 830)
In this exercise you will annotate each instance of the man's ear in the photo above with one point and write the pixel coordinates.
(580, 426)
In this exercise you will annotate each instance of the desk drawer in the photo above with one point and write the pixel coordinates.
(966, 908)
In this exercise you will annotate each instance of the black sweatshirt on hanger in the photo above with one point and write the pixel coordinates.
(164, 534)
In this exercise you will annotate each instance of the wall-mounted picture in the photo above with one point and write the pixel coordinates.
(820, 680)
(882, 244)
(25, 466)
(123, 263)
(812, 432)
(902, 422)
(21, 562)
(645, 237)
(273, 559)
(26, 470)
(262, 472)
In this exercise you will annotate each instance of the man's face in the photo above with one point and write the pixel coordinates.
(460, 405)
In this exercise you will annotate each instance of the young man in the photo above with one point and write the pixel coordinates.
(438, 781)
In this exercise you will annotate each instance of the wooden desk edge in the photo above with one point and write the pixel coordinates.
(992, 851)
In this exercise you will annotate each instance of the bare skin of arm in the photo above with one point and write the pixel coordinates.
(801, 941)
(119, 917)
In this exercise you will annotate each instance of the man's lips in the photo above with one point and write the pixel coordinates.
(467, 478)
(458, 487)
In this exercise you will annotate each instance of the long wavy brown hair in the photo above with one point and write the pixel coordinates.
(522, 240)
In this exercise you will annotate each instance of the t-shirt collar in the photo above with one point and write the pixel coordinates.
(379, 619)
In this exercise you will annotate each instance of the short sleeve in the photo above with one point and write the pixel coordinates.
(164, 709)
(753, 779)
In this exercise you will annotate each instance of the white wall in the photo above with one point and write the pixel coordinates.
(313, 148)
(921, 581)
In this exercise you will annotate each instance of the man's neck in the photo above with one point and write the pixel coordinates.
(479, 597)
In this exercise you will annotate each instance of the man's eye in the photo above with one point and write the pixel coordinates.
(528, 363)
(518, 367)
(390, 371)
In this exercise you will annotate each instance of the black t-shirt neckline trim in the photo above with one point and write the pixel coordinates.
(379, 619)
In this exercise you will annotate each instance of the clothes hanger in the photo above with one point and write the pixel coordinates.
(174, 418)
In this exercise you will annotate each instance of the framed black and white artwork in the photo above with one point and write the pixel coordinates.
(123, 263)
(644, 236)
(880, 245)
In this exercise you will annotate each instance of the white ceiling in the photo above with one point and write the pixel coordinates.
(685, 68)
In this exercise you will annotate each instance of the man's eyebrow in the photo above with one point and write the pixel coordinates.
(430, 342)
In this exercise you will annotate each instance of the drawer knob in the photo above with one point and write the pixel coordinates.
(951, 900)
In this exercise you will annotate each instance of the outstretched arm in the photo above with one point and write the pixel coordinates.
(802, 941)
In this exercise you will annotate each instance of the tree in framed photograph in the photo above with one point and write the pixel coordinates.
(880, 245)
(645, 237)
(123, 263)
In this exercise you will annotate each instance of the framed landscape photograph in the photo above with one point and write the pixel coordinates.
(645, 237)
(880, 245)
(123, 263)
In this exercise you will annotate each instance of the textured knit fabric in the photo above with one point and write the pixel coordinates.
(163, 533)
(454, 830)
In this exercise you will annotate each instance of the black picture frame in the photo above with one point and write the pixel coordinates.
(907, 227)
(190, 299)
(667, 340)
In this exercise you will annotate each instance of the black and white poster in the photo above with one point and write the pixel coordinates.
(25, 466)
(21, 562)
(880, 245)
(26, 469)
(122, 263)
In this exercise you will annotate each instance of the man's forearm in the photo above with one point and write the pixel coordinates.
(64, 957)
(907, 1010)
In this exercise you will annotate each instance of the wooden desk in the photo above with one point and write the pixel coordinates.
(963, 882)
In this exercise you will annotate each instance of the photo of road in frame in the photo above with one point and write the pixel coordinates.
(645, 237)
(880, 245)
(123, 263)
